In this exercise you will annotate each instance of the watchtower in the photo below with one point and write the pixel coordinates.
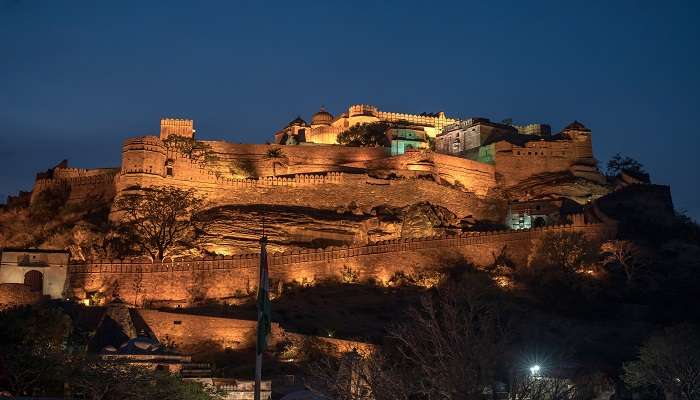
(177, 127)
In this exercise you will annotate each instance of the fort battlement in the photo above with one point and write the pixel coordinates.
(221, 276)
(82, 183)
(176, 126)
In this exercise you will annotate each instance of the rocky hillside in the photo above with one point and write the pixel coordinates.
(237, 228)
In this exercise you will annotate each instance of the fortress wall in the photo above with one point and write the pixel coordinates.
(329, 190)
(332, 190)
(91, 184)
(190, 332)
(473, 175)
(515, 164)
(14, 294)
(222, 277)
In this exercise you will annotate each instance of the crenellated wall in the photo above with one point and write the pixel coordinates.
(222, 277)
(311, 177)
(84, 184)
(514, 163)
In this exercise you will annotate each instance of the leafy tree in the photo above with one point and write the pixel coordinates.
(32, 344)
(160, 218)
(365, 135)
(242, 168)
(669, 360)
(275, 157)
(618, 164)
(567, 251)
(95, 380)
(194, 149)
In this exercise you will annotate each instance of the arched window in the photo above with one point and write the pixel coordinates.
(539, 222)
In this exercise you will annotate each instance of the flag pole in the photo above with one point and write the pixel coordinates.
(262, 289)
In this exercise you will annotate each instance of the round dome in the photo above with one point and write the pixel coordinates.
(322, 117)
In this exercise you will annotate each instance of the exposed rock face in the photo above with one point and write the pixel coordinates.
(558, 185)
(424, 219)
(237, 228)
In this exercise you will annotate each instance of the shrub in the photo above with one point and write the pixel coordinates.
(348, 275)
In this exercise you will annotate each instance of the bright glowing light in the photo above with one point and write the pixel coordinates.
(535, 369)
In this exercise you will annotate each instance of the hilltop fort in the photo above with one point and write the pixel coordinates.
(441, 189)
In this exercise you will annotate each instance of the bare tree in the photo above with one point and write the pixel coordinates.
(454, 341)
(624, 253)
(569, 251)
(669, 360)
(160, 218)
(528, 387)
(137, 285)
(447, 348)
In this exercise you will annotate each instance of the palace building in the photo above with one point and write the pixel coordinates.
(324, 127)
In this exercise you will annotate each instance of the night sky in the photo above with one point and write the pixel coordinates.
(77, 78)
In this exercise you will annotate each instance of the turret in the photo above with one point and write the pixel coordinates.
(581, 136)
(178, 127)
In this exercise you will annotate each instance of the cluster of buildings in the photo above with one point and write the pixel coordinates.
(478, 139)
(405, 130)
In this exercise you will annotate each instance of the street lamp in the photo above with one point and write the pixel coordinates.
(534, 370)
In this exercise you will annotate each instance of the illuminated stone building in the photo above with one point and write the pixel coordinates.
(41, 271)
(540, 213)
(324, 127)
(469, 134)
(404, 138)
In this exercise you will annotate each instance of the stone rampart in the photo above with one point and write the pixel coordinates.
(226, 276)
(83, 184)
(191, 332)
(15, 294)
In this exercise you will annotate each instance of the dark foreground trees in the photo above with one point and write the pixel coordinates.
(41, 354)
(669, 361)
(96, 380)
(160, 218)
(457, 343)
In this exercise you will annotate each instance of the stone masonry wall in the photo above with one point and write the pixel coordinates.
(222, 277)
(189, 332)
(14, 294)
(97, 184)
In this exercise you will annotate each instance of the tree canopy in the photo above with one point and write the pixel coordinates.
(670, 361)
(619, 163)
(275, 157)
(160, 218)
(365, 135)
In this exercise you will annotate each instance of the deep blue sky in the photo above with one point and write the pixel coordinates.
(76, 78)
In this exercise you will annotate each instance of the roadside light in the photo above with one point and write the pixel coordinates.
(534, 370)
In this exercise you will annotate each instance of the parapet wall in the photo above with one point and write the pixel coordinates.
(191, 332)
(312, 177)
(15, 294)
(514, 163)
(222, 277)
(84, 184)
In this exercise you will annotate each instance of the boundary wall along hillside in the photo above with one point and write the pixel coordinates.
(227, 276)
